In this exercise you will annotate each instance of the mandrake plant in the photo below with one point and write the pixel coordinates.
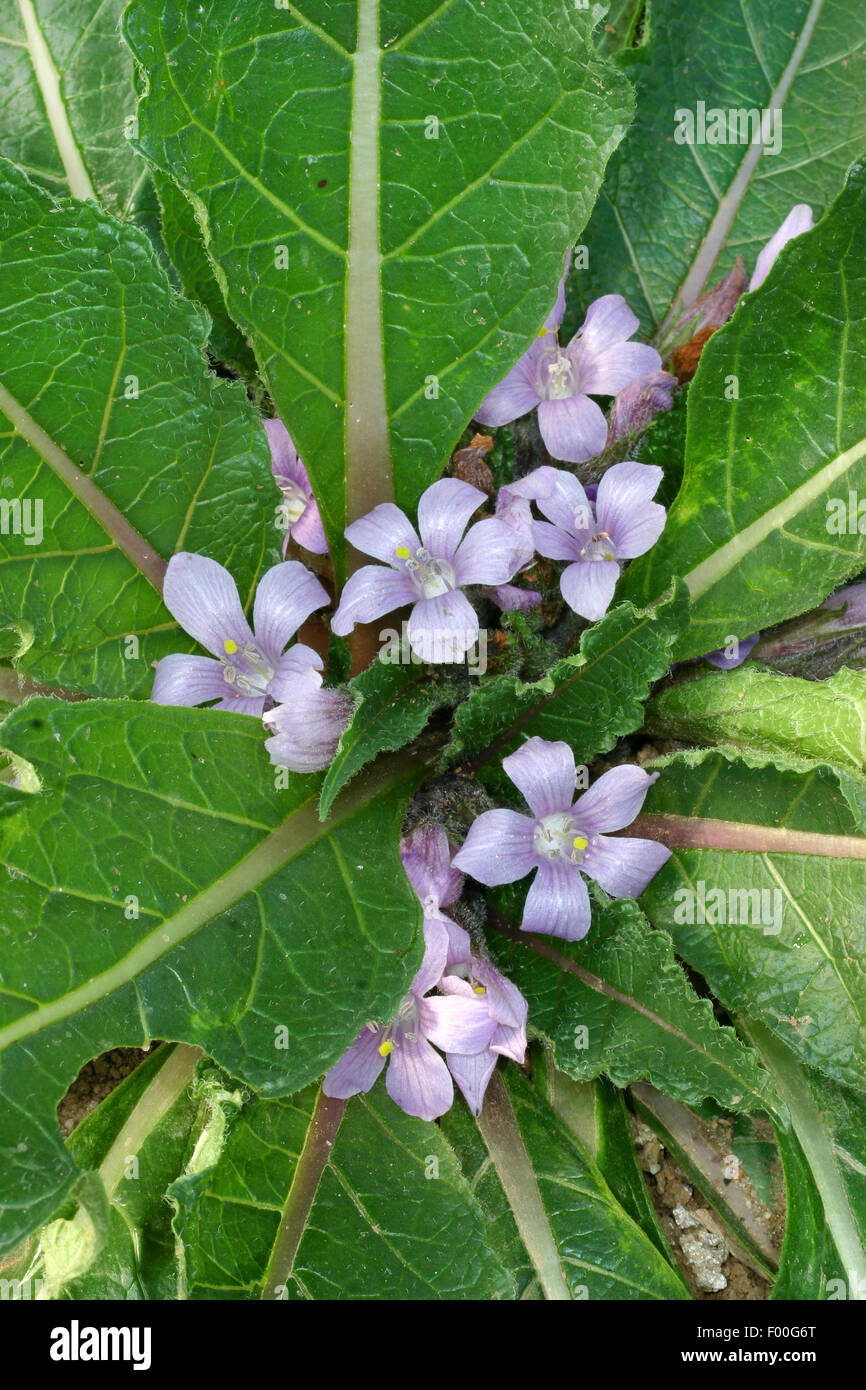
(432, 648)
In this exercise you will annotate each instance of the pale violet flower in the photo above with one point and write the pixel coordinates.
(563, 839)
(599, 361)
(595, 536)
(427, 859)
(299, 511)
(418, 1079)
(640, 402)
(248, 667)
(430, 572)
(798, 221)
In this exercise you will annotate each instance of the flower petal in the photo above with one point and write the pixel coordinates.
(557, 903)
(443, 515)
(308, 530)
(499, 848)
(554, 543)
(512, 599)
(623, 865)
(557, 313)
(544, 774)
(728, 663)
(284, 455)
(443, 629)
(625, 510)
(382, 532)
(588, 587)
(613, 801)
(188, 680)
(611, 371)
(573, 429)
(638, 402)
(608, 321)
(455, 1024)
(472, 1075)
(285, 598)
(433, 963)
(358, 1067)
(492, 553)
(418, 1080)
(517, 393)
(799, 220)
(307, 729)
(426, 856)
(299, 663)
(203, 597)
(505, 1003)
(369, 593)
(564, 502)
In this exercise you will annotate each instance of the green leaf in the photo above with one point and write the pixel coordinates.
(757, 711)
(182, 897)
(619, 1004)
(590, 699)
(784, 940)
(395, 702)
(673, 217)
(403, 236)
(582, 1243)
(117, 445)
(750, 529)
(182, 238)
(68, 99)
(829, 1123)
(391, 1216)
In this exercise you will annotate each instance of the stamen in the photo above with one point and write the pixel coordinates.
(402, 552)
(229, 646)
(386, 1047)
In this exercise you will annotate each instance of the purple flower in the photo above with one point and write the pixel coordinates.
(431, 572)
(426, 856)
(473, 978)
(563, 839)
(418, 1078)
(641, 400)
(252, 666)
(599, 361)
(726, 662)
(299, 510)
(620, 524)
(798, 221)
(308, 727)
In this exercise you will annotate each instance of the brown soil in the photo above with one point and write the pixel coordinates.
(94, 1082)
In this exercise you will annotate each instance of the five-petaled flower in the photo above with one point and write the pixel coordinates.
(298, 513)
(563, 839)
(251, 665)
(429, 573)
(599, 361)
(619, 524)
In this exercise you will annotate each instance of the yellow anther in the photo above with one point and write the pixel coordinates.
(579, 842)
(403, 552)
(385, 1048)
(479, 989)
(229, 646)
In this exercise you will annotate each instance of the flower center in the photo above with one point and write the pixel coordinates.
(246, 669)
(599, 547)
(557, 379)
(294, 501)
(431, 577)
(558, 837)
(403, 1025)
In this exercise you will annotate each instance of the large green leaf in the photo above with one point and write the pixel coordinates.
(673, 217)
(387, 198)
(750, 529)
(117, 441)
(758, 711)
(618, 1003)
(392, 1216)
(791, 955)
(182, 897)
(68, 97)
